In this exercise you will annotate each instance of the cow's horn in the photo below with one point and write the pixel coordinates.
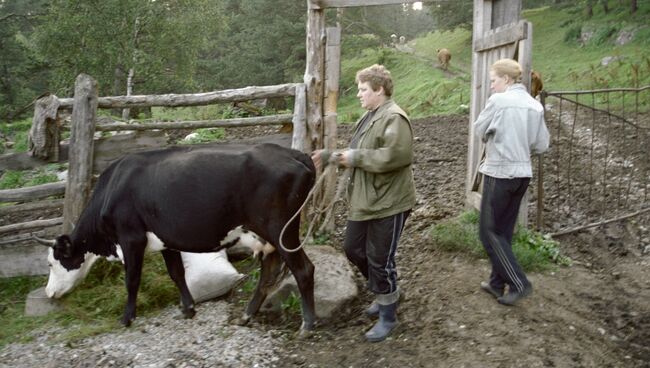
(47, 242)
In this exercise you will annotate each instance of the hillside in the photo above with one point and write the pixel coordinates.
(569, 51)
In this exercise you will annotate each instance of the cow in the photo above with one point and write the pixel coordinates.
(536, 84)
(444, 56)
(189, 198)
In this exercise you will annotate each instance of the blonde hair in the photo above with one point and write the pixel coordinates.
(376, 76)
(508, 67)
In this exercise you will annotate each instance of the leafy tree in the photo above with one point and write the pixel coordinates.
(21, 70)
(158, 40)
(451, 14)
(264, 45)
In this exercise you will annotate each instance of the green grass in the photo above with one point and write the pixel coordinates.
(95, 306)
(11, 179)
(534, 251)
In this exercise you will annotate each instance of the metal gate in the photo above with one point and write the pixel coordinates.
(598, 167)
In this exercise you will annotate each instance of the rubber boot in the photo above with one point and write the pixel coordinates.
(373, 310)
(385, 325)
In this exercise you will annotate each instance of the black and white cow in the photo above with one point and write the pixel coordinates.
(189, 198)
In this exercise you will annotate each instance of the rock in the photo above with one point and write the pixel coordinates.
(334, 283)
(624, 37)
(38, 304)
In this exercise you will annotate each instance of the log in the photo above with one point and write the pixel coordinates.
(80, 163)
(324, 4)
(197, 124)
(32, 193)
(31, 225)
(32, 206)
(196, 99)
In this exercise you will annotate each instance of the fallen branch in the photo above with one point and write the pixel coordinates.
(569, 231)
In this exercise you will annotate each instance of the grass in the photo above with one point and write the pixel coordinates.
(534, 251)
(12, 179)
(94, 307)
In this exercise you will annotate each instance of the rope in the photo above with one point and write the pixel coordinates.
(323, 175)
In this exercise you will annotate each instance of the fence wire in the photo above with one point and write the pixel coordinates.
(597, 169)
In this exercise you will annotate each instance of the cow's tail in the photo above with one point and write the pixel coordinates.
(318, 183)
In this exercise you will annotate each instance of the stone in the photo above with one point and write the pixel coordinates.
(38, 304)
(334, 283)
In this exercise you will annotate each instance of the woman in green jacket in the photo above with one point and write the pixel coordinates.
(381, 192)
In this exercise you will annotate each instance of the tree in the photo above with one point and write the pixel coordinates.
(451, 14)
(158, 41)
(20, 66)
(264, 45)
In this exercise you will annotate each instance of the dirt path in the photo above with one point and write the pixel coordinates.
(595, 313)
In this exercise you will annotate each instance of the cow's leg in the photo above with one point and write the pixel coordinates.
(176, 271)
(270, 270)
(303, 271)
(133, 259)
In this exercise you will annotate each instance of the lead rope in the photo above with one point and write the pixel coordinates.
(324, 174)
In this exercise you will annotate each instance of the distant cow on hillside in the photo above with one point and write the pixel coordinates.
(536, 84)
(444, 57)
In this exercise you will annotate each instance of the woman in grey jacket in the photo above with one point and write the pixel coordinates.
(512, 127)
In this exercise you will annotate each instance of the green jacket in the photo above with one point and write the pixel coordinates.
(381, 179)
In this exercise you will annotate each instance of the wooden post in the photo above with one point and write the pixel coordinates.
(332, 75)
(300, 140)
(44, 134)
(84, 116)
(314, 73)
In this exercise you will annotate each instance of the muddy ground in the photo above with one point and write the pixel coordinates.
(595, 313)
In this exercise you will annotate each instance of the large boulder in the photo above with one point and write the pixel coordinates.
(334, 283)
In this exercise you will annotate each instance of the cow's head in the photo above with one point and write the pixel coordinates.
(68, 265)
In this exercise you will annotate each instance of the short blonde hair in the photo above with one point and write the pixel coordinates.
(508, 67)
(376, 76)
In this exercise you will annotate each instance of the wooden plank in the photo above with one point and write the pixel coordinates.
(32, 193)
(505, 12)
(195, 99)
(197, 124)
(324, 4)
(80, 162)
(37, 224)
(504, 35)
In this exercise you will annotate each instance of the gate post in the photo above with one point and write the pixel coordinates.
(84, 116)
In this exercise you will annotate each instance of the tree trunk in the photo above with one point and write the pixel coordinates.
(590, 8)
(633, 6)
(605, 5)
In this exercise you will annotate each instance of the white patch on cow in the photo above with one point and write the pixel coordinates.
(119, 257)
(248, 239)
(255, 243)
(154, 244)
(61, 280)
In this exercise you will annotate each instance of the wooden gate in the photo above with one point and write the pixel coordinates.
(498, 32)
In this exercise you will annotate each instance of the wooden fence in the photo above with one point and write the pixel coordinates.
(44, 138)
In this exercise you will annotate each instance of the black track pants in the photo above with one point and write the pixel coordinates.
(371, 245)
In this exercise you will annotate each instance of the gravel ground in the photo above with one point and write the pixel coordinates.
(207, 340)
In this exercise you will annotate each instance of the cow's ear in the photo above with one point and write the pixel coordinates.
(64, 246)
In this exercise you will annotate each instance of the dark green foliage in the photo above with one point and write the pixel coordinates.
(573, 33)
(452, 14)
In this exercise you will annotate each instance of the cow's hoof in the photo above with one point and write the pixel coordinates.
(126, 322)
(189, 313)
(243, 320)
(304, 334)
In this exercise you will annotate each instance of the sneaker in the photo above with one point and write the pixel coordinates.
(497, 293)
(514, 296)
